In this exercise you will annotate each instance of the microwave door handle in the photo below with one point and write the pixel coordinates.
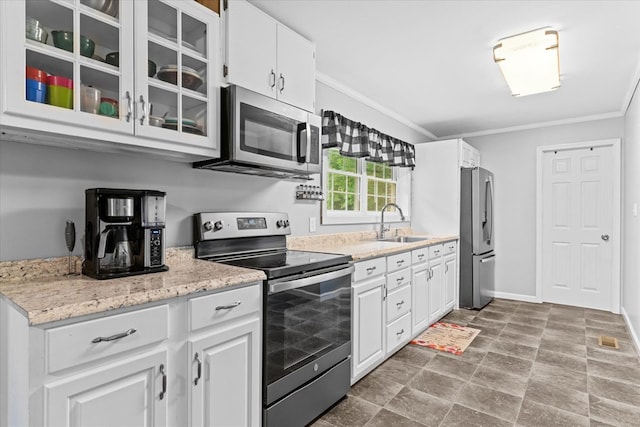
(302, 144)
(299, 283)
(308, 157)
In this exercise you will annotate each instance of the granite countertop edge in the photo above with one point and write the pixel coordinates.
(367, 249)
(51, 299)
(38, 289)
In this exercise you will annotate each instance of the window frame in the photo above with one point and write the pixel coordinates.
(402, 177)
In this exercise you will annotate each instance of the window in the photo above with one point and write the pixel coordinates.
(356, 189)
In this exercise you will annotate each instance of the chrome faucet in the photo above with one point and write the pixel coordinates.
(382, 227)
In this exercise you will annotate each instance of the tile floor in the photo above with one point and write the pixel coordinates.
(532, 365)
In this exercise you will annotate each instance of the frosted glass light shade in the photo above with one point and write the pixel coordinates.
(530, 62)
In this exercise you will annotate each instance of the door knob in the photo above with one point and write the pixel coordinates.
(605, 237)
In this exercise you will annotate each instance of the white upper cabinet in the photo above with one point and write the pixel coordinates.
(296, 69)
(469, 156)
(267, 57)
(116, 69)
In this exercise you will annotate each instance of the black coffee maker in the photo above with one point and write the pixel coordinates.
(124, 232)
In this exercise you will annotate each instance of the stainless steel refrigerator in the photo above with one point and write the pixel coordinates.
(477, 257)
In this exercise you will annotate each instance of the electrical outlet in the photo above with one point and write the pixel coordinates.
(312, 224)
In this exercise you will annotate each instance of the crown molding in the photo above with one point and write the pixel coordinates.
(612, 115)
(341, 87)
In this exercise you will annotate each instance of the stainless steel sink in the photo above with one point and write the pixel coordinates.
(404, 239)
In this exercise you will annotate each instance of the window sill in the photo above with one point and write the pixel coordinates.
(358, 218)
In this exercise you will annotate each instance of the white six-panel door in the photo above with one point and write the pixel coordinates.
(578, 226)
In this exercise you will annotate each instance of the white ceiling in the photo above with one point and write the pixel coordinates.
(431, 63)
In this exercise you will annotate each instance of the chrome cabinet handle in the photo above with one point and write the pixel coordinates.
(400, 332)
(197, 358)
(129, 106)
(420, 256)
(400, 279)
(228, 307)
(399, 262)
(371, 269)
(164, 382)
(282, 81)
(437, 252)
(272, 79)
(399, 304)
(144, 109)
(605, 237)
(114, 337)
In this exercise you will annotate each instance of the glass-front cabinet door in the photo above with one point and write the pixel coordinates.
(136, 72)
(70, 61)
(179, 99)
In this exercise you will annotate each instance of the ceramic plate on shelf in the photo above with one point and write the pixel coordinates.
(185, 121)
(185, 128)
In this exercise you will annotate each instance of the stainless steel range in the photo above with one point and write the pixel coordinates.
(306, 311)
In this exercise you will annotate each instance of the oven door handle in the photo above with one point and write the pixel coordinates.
(299, 283)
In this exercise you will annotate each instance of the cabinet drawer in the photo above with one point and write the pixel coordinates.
(419, 255)
(398, 278)
(215, 308)
(435, 251)
(398, 333)
(398, 303)
(84, 342)
(370, 268)
(399, 261)
(450, 248)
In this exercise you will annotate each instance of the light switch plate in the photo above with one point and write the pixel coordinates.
(312, 224)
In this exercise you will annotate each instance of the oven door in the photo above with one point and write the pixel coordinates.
(307, 329)
(269, 132)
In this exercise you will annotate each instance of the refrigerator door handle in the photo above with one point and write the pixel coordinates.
(487, 259)
(488, 209)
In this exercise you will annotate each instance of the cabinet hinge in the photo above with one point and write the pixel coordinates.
(225, 70)
(225, 4)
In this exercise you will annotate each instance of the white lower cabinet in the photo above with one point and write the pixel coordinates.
(436, 278)
(131, 392)
(225, 380)
(188, 362)
(395, 298)
(420, 298)
(398, 333)
(450, 281)
(368, 322)
(225, 359)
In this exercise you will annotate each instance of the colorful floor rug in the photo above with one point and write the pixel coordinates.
(447, 337)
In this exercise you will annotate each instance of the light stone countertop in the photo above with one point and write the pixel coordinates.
(42, 291)
(49, 299)
(362, 246)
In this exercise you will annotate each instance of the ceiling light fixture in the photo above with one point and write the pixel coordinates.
(530, 62)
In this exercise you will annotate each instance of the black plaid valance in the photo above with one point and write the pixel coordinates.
(357, 140)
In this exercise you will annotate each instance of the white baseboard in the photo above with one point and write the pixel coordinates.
(632, 331)
(516, 297)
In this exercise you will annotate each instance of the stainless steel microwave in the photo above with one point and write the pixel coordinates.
(263, 136)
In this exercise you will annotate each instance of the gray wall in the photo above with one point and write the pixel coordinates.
(631, 222)
(42, 187)
(512, 158)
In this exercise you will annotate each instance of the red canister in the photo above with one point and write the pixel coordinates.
(36, 74)
(60, 81)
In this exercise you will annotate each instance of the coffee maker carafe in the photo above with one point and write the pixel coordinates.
(124, 232)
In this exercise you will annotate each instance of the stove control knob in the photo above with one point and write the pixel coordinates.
(208, 226)
(286, 223)
(280, 223)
